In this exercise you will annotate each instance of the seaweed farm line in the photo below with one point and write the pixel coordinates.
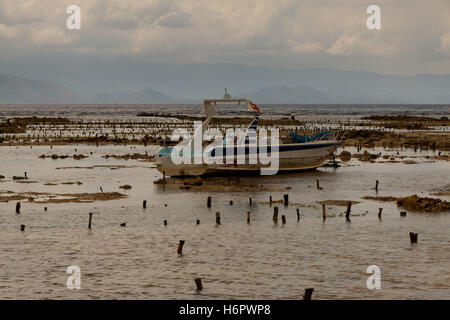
(151, 130)
(233, 245)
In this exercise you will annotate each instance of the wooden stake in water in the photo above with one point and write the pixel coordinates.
(298, 214)
(308, 294)
(376, 186)
(198, 221)
(283, 219)
(248, 217)
(250, 201)
(275, 214)
(217, 217)
(286, 199)
(324, 212)
(270, 199)
(208, 202)
(144, 204)
(347, 213)
(165, 222)
(18, 207)
(180, 247)
(413, 237)
(380, 210)
(22, 227)
(90, 220)
(198, 283)
(318, 185)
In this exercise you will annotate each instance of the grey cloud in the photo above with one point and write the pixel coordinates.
(295, 33)
(177, 19)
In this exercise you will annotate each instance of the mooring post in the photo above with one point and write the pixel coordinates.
(413, 237)
(250, 201)
(379, 212)
(231, 202)
(347, 213)
(275, 214)
(283, 219)
(180, 247)
(248, 217)
(45, 208)
(198, 283)
(286, 199)
(90, 220)
(324, 212)
(144, 204)
(298, 214)
(198, 221)
(270, 199)
(217, 217)
(165, 222)
(318, 185)
(208, 202)
(308, 294)
(18, 207)
(22, 227)
(376, 186)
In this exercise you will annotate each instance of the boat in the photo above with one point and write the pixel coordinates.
(292, 153)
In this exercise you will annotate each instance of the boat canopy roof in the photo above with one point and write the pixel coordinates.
(208, 104)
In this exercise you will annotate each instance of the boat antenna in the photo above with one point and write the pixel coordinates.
(226, 95)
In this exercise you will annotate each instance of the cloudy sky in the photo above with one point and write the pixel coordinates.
(414, 38)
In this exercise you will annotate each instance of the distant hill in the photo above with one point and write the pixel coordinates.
(305, 95)
(87, 75)
(19, 90)
(141, 96)
(101, 82)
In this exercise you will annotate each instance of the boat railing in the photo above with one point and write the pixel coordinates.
(333, 135)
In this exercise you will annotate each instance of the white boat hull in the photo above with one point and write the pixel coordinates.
(291, 157)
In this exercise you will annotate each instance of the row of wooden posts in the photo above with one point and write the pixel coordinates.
(413, 236)
(275, 214)
(198, 281)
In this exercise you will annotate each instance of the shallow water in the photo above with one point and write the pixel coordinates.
(260, 260)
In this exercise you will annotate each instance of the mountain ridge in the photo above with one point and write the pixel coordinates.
(327, 88)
